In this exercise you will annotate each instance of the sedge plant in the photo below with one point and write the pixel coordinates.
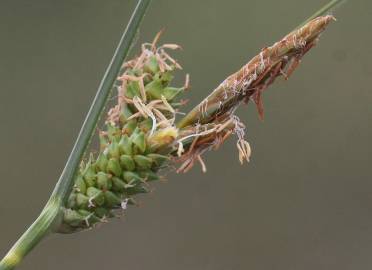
(142, 135)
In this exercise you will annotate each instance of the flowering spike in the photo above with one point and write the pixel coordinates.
(141, 136)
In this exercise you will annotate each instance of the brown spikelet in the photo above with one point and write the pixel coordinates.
(213, 120)
(252, 79)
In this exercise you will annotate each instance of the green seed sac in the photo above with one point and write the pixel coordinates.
(131, 152)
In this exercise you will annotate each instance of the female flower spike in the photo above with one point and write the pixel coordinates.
(131, 147)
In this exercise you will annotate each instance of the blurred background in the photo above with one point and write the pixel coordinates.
(303, 202)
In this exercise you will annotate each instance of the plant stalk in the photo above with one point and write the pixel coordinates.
(323, 11)
(50, 215)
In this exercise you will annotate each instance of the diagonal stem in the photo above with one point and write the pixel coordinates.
(51, 212)
(324, 10)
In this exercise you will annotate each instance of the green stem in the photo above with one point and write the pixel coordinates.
(322, 11)
(51, 212)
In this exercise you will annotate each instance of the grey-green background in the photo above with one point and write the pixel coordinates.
(303, 202)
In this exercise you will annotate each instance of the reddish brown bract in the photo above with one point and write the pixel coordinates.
(213, 120)
(282, 58)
